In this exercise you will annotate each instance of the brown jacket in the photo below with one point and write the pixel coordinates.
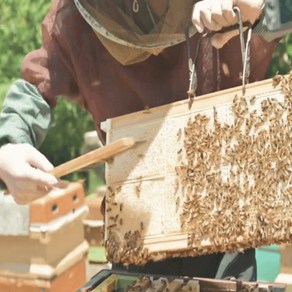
(73, 63)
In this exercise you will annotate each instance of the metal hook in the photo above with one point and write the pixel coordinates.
(192, 68)
(245, 49)
(135, 6)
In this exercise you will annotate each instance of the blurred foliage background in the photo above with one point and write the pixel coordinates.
(20, 32)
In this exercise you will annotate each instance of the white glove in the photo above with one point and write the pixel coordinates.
(215, 15)
(24, 171)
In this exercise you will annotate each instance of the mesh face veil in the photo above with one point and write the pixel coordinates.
(125, 38)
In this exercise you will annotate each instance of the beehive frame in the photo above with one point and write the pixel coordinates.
(209, 176)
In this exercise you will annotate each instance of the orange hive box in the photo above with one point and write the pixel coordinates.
(64, 199)
(45, 271)
(69, 280)
(93, 202)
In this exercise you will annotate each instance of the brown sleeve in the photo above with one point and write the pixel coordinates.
(49, 68)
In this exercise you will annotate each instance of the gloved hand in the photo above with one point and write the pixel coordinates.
(24, 171)
(218, 14)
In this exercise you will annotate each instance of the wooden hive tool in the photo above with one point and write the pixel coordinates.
(93, 157)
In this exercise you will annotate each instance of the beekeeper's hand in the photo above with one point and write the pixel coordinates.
(216, 15)
(24, 171)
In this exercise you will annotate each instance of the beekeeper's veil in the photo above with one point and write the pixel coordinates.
(131, 32)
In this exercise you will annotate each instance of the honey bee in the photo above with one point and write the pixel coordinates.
(253, 100)
(177, 201)
(276, 80)
(146, 110)
(116, 218)
(138, 190)
(179, 134)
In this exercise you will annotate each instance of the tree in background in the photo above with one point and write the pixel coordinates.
(20, 32)
(282, 60)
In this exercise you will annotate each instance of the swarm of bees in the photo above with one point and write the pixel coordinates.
(233, 182)
(237, 177)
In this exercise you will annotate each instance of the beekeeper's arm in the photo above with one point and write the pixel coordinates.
(24, 122)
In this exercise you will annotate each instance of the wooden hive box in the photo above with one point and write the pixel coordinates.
(68, 277)
(210, 175)
(45, 245)
(45, 271)
(52, 218)
(65, 199)
(286, 259)
(53, 228)
(116, 280)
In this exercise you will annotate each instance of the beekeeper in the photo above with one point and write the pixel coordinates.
(120, 56)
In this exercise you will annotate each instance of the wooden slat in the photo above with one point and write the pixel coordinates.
(199, 103)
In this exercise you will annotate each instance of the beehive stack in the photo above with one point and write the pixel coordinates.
(50, 254)
(211, 178)
(94, 227)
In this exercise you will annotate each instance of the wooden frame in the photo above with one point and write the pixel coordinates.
(210, 175)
